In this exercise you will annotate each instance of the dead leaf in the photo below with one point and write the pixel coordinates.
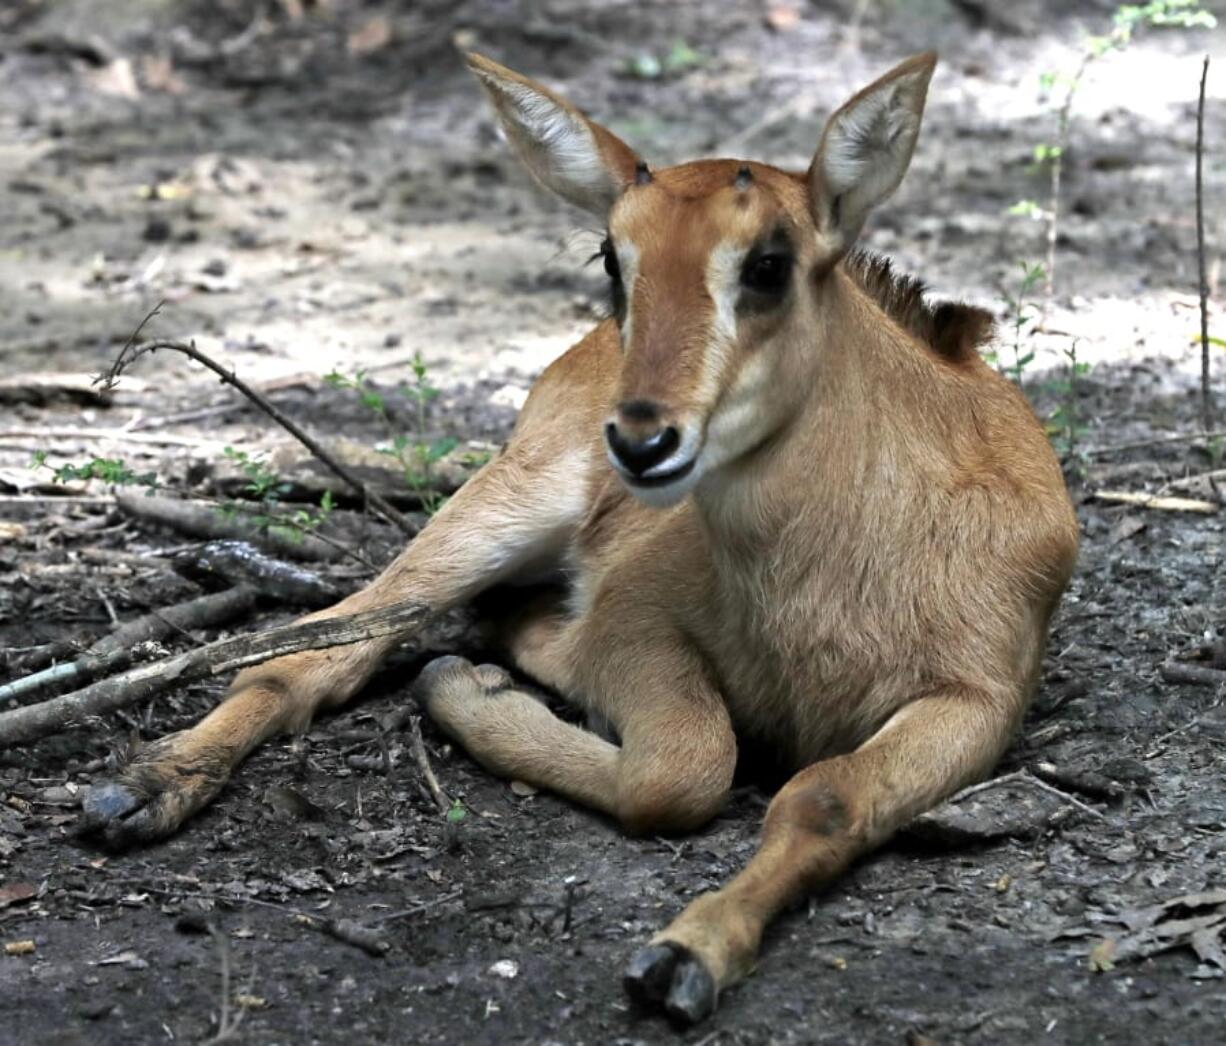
(1125, 527)
(1207, 943)
(522, 789)
(373, 35)
(1196, 921)
(115, 78)
(16, 893)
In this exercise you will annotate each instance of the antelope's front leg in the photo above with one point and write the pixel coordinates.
(506, 516)
(820, 821)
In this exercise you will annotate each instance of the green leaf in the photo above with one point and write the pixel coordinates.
(1026, 209)
(457, 813)
(441, 448)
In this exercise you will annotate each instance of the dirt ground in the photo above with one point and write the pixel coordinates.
(318, 186)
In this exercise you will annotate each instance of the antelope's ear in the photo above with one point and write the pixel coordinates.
(564, 150)
(866, 148)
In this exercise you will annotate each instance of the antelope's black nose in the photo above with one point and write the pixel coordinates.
(639, 447)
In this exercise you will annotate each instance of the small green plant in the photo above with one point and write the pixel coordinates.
(1064, 425)
(650, 65)
(415, 455)
(1021, 309)
(1215, 447)
(108, 470)
(457, 813)
(267, 488)
(1061, 91)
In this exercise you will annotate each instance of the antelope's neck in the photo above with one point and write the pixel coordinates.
(828, 465)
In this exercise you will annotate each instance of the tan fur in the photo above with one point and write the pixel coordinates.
(864, 586)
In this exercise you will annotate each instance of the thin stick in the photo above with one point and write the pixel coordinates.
(1024, 777)
(57, 499)
(61, 713)
(132, 352)
(113, 435)
(1155, 502)
(423, 764)
(1157, 441)
(1206, 400)
(1195, 480)
(1064, 119)
(417, 909)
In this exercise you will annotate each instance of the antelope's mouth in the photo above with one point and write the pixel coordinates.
(650, 480)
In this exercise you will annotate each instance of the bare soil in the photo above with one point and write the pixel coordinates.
(303, 194)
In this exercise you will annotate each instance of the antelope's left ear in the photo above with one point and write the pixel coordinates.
(565, 151)
(866, 149)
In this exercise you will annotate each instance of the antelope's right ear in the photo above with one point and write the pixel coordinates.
(866, 148)
(565, 151)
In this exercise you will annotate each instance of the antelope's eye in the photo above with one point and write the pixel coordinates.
(610, 259)
(767, 273)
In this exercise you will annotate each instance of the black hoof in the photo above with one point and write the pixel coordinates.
(115, 815)
(668, 977)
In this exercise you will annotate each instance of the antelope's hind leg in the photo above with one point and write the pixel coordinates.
(517, 514)
(820, 821)
(672, 768)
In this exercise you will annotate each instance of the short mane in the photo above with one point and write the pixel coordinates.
(953, 331)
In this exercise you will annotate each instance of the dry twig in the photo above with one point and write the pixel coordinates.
(1206, 400)
(1156, 502)
(423, 764)
(134, 350)
(1157, 441)
(1027, 778)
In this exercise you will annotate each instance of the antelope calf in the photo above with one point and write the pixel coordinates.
(776, 496)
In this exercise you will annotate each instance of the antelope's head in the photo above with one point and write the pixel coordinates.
(717, 267)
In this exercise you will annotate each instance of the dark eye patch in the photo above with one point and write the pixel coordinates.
(766, 273)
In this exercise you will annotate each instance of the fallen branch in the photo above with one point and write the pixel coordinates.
(201, 519)
(423, 764)
(61, 713)
(1193, 481)
(1155, 501)
(133, 351)
(241, 563)
(123, 646)
(1197, 675)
